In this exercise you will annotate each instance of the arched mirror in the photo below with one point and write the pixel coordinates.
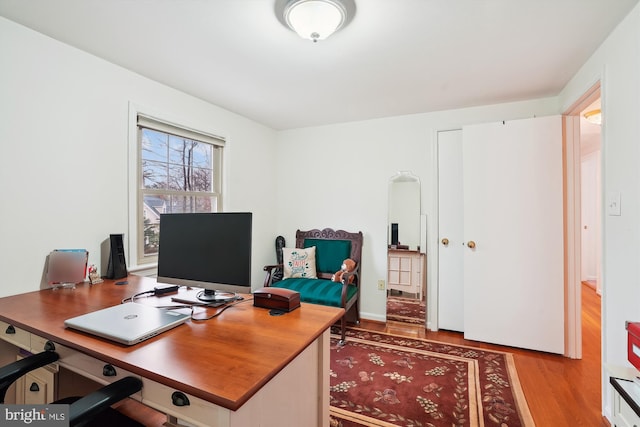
(404, 211)
(406, 284)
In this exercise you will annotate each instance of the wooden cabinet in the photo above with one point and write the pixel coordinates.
(37, 387)
(16, 336)
(626, 398)
(406, 271)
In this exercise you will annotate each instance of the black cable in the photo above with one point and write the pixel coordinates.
(156, 291)
(219, 312)
(205, 304)
(133, 297)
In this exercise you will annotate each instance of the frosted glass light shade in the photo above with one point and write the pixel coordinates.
(315, 19)
(594, 116)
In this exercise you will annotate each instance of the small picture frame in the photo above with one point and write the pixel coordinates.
(94, 276)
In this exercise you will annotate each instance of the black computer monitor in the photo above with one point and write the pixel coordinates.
(207, 250)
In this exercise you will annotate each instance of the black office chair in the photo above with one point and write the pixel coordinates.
(92, 410)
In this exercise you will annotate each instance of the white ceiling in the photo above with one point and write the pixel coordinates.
(396, 57)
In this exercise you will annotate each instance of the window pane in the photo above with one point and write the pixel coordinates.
(187, 152)
(154, 174)
(181, 150)
(190, 204)
(182, 178)
(201, 180)
(153, 206)
(154, 145)
(202, 155)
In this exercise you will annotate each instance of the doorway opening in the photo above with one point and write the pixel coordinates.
(583, 203)
(591, 195)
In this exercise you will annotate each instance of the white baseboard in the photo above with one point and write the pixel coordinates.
(374, 317)
(146, 272)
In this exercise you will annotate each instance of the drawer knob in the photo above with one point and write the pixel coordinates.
(109, 371)
(34, 387)
(10, 330)
(49, 346)
(180, 399)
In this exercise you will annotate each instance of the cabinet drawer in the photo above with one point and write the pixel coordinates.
(36, 390)
(92, 368)
(38, 386)
(198, 411)
(15, 336)
(406, 264)
(394, 263)
(38, 344)
(625, 416)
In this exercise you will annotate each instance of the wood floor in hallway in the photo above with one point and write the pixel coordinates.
(559, 391)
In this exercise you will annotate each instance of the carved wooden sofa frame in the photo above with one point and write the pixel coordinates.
(344, 294)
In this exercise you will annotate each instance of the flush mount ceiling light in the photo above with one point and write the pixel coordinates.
(594, 116)
(315, 19)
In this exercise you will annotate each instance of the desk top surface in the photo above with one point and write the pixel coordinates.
(224, 360)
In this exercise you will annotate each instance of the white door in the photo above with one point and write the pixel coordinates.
(513, 203)
(450, 238)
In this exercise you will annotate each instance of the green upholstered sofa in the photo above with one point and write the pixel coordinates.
(332, 248)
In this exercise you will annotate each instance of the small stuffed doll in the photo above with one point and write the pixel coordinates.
(348, 265)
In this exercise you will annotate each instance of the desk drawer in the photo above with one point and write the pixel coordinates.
(198, 411)
(38, 386)
(624, 416)
(38, 344)
(15, 336)
(90, 367)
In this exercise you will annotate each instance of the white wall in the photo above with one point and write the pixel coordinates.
(337, 176)
(63, 167)
(617, 65)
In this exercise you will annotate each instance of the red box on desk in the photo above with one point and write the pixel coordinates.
(633, 343)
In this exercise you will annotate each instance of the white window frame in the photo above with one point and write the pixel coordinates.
(146, 118)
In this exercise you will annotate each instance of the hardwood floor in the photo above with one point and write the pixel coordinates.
(559, 391)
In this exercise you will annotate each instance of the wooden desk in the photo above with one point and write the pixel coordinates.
(242, 368)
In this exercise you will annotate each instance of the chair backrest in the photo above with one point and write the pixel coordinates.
(332, 247)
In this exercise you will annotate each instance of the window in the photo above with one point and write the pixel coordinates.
(179, 170)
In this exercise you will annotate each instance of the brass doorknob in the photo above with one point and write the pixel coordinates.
(471, 244)
(445, 241)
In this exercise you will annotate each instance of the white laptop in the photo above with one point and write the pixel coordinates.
(128, 323)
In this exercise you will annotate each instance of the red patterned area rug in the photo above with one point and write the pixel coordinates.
(406, 310)
(385, 380)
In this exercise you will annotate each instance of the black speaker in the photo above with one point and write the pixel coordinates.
(117, 267)
(394, 233)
